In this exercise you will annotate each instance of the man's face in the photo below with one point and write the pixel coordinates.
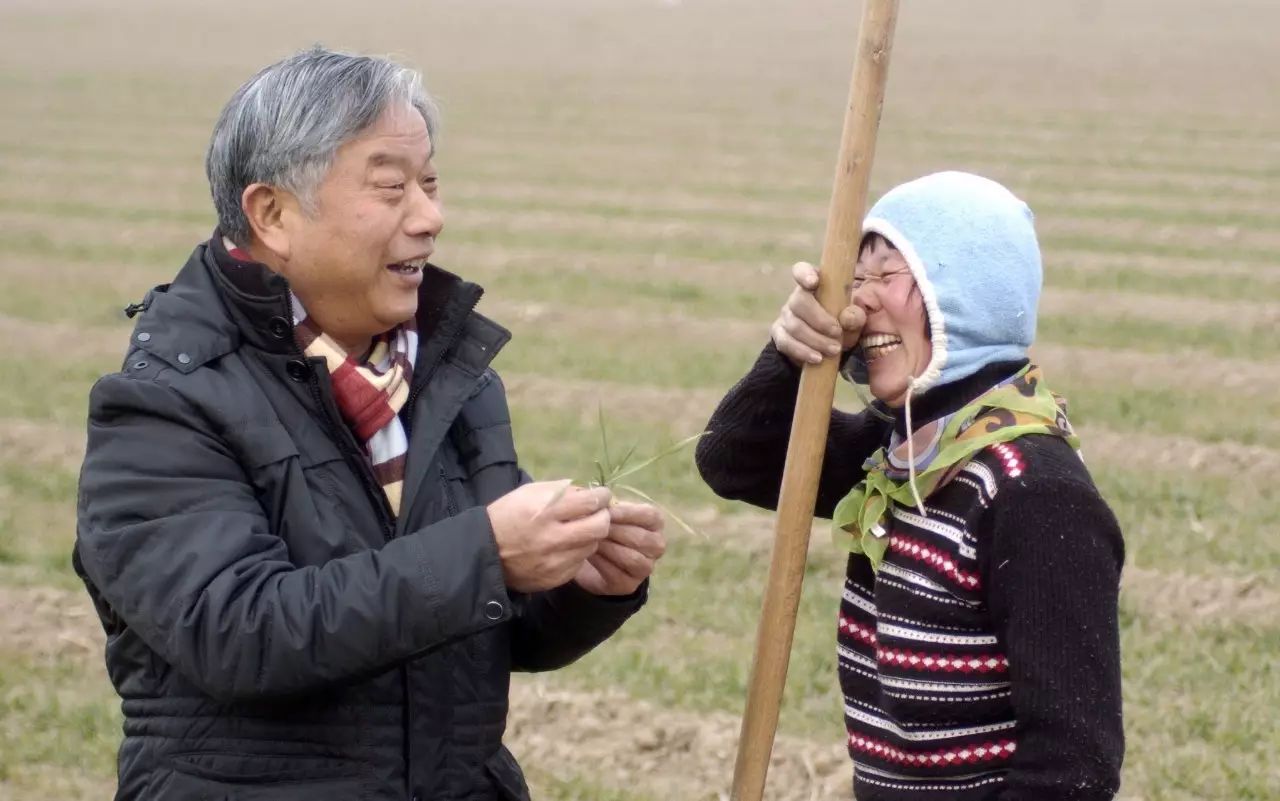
(378, 208)
(895, 340)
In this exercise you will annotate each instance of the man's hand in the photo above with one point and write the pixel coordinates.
(804, 332)
(626, 558)
(543, 539)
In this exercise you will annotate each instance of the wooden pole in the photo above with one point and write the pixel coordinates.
(813, 404)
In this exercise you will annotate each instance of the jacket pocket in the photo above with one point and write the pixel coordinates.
(507, 776)
(262, 777)
(486, 462)
(262, 768)
(261, 445)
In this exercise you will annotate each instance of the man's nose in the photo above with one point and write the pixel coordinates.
(426, 215)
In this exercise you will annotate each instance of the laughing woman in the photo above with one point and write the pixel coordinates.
(978, 646)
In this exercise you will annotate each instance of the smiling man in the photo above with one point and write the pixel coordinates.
(301, 516)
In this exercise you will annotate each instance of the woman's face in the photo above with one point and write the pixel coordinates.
(895, 339)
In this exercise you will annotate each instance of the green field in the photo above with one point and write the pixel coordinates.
(630, 180)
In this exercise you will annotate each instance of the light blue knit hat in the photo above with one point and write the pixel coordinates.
(971, 246)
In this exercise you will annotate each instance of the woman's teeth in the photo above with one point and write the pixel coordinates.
(876, 345)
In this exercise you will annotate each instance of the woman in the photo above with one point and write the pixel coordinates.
(978, 645)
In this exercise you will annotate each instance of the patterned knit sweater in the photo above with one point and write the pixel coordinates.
(982, 661)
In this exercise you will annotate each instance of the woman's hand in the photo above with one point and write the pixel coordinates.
(804, 332)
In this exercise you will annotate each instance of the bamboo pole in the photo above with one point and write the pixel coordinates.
(813, 404)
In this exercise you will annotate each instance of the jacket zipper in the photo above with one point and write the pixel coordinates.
(450, 503)
(451, 511)
(431, 368)
(360, 463)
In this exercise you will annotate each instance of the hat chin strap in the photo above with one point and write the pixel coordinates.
(911, 450)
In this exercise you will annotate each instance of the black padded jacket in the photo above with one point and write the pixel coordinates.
(273, 631)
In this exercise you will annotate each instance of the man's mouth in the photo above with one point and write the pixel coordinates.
(409, 266)
(874, 346)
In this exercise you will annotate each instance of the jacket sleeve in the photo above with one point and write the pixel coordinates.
(742, 456)
(172, 535)
(1054, 574)
(556, 628)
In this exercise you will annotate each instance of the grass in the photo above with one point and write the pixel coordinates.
(37, 523)
(56, 393)
(52, 718)
(1212, 749)
(631, 185)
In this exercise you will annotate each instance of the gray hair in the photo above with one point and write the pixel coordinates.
(285, 124)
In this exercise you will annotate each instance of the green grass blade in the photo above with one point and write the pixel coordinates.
(648, 499)
(604, 440)
(622, 463)
(682, 444)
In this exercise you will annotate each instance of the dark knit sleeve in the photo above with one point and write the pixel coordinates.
(1054, 576)
(742, 456)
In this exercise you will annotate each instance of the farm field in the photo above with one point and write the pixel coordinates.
(631, 181)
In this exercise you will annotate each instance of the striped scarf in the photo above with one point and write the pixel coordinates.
(370, 389)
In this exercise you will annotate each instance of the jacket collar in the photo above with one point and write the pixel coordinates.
(215, 304)
(183, 323)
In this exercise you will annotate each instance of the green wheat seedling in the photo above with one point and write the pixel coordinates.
(613, 474)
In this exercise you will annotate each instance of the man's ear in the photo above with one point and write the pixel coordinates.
(265, 208)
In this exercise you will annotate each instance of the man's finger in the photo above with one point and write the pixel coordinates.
(575, 558)
(631, 562)
(613, 575)
(637, 514)
(648, 542)
(579, 503)
(589, 529)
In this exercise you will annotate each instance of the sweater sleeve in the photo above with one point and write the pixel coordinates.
(742, 456)
(1054, 573)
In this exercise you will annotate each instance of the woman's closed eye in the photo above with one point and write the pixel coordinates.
(860, 279)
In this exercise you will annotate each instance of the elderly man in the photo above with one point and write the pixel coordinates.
(301, 515)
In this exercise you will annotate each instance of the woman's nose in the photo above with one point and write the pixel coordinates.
(865, 297)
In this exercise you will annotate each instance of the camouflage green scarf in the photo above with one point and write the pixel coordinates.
(1021, 405)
